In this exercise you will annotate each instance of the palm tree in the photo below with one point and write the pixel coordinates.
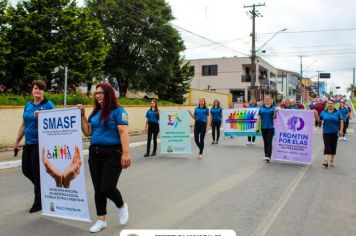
(351, 89)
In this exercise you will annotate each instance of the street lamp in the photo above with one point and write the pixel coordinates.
(253, 57)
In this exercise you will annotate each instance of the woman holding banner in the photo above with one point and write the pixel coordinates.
(332, 126)
(29, 129)
(266, 114)
(108, 152)
(201, 117)
(216, 117)
(253, 104)
(152, 127)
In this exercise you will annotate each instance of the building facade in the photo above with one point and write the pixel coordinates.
(233, 75)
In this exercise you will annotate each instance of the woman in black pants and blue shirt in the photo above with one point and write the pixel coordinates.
(108, 152)
(29, 129)
(201, 117)
(253, 104)
(152, 127)
(266, 115)
(332, 126)
(216, 116)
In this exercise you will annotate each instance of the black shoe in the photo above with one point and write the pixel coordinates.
(146, 154)
(325, 164)
(153, 154)
(35, 208)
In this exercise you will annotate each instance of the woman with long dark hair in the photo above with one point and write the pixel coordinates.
(216, 117)
(201, 117)
(266, 115)
(29, 129)
(152, 127)
(108, 152)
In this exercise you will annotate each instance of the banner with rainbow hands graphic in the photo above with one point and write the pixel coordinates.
(240, 122)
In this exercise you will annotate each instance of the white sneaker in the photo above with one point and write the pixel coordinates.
(248, 143)
(341, 139)
(200, 156)
(124, 214)
(99, 225)
(345, 139)
(253, 143)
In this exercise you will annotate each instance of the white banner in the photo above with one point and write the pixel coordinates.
(63, 188)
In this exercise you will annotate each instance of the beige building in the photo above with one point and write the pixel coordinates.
(233, 75)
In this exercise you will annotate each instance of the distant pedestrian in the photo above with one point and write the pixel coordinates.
(216, 117)
(152, 127)
(29, 129)
(201, 117)
(332, 126)
(253, 104)
(266, 117)
(108, 152)
(345, 118)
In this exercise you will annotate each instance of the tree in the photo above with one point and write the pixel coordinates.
(351, 89)
(4, 44)
(145, 48)
(46, 34)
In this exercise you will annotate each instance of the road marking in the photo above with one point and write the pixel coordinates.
(272, 215)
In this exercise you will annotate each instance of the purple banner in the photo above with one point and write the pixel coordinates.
(294, 133)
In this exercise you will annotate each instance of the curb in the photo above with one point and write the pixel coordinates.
(14, 164)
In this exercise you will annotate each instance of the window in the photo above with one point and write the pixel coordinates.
(210, 70)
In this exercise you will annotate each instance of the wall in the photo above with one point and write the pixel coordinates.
(194, 95)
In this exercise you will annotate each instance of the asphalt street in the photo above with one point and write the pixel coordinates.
(230, 188)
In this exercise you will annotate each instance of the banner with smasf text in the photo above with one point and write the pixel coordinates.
(63, 188)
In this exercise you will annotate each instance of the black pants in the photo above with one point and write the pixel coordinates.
(251, 138)
(31, 168)
(215, 125)
(199, 134)
(346, 125)
(105, 169)
(330, 143)
(153, 130)
(267, 135)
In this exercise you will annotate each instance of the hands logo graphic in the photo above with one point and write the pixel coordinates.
(64, 178)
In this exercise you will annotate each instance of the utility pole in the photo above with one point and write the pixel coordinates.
(254, 14)
(353, 93)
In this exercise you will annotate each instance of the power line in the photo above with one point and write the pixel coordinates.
(181, 28)
(314, 31)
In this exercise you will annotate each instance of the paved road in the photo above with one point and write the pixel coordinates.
(231, 188)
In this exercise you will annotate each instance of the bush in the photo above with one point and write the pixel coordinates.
(72, 99)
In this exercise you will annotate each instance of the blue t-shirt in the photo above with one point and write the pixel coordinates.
(294, 107)
(31, 123)
(267, 114)
(152, 117)
(344, 111)
(108, 134)
(216, 113)
(253, 106)
(201, 114)
(331, 121)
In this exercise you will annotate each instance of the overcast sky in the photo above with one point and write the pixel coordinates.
(227, 21)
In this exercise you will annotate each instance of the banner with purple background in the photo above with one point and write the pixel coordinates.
(294, 133)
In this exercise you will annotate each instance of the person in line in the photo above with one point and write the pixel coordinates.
(332, 126)
(345, 118)
(152, 127)
(253, 104)
(286, 104)
(299, 105)
(319, 107)
(108, 152)
(216, 117)
(293, 104)
(201, 117)
(266, 114)
(29, 129)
